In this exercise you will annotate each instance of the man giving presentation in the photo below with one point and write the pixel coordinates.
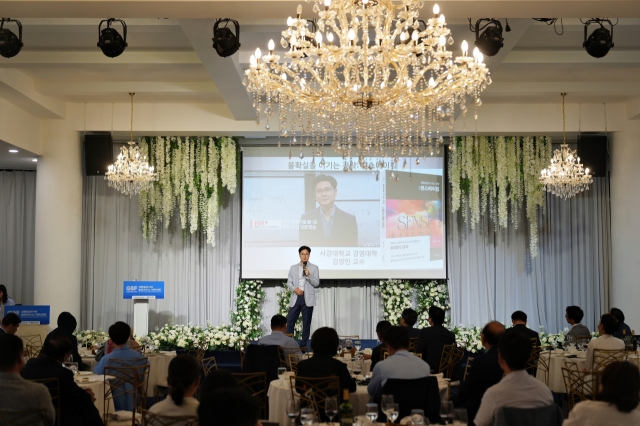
(304, 278)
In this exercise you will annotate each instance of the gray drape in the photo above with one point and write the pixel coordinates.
(491, 274)
(17, 233)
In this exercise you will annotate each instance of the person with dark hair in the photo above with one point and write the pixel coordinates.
(119, 333)
(216, 380)
(10, 323)
(229, 407)
(573, 316)
(621, 324)
(18, 394)
(327, 225)
(607, 326)
(66, 326)
(517, 388)
(616, 401)
(5, 300)
(408, 319)
(324, 344)
(400, 364)
(376, 353)
(277, 336)
(304, 278)
(183, 380)
(485, 371)
(519, 322)
(433, 339)
(77, 406)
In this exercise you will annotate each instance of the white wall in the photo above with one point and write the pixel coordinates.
(625, 222)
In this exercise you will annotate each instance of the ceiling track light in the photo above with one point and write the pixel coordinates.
(110, 41)
(490, 41)
(10, 44)
(225, 42)
(600, 41)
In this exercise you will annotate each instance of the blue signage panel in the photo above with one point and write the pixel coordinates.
(31, 314)
(143, 290)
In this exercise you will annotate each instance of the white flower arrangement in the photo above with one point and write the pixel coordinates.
(469, 337)
(188, 337)
(496, 175)
(91, 338)
(248, 315)
(190, 171)
(284, 295)
(395, 296)
(432, 293)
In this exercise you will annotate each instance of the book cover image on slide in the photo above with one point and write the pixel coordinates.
(414, 209)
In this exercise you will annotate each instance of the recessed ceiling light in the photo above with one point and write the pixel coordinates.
(13, 151)
(35, 160)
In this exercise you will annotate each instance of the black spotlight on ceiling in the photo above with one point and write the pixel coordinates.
(225, 41)
(601, 39)
(490, 41)
(10, 44)
(110, 41)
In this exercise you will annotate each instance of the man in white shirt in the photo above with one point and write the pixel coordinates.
(517, 388)
(277, 336)
(400, 364)
(608, 325)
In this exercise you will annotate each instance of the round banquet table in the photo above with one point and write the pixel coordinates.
(556, 362)
(95, 382)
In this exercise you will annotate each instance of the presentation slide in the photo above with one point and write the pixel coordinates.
(386, 223)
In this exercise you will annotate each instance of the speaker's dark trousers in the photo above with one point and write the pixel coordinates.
(294, 313)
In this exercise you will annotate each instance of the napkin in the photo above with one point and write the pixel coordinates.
(125, 415)
(367, 351)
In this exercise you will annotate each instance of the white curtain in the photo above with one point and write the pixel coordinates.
(491, 273)
(17, 233)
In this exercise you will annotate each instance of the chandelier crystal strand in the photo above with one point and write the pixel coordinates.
(131, 173)
(369, 71)
(565, 176)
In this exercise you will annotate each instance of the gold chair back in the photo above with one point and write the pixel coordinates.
(466, 368)
(208, 365)
(198, 354)
(23, 418)
(32, 339)
(413, 344)
(580, 385)
(314, 390)
(540, 360)
(256, 385)
(283, 356)
(33, 351)
(604, 357)
(152, 419)
(126, 381)
(445, 358)
(53, 384)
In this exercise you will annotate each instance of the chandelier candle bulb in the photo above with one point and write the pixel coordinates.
(271, 46)
(465, 48)
(327, 4)
(299, 11)
(436, 10)
(290, 21)
(441, 20)
(258, 53)
(319, 38)
(330, 38)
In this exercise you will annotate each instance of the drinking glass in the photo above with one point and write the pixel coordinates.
(307, 416)
(339, 350)
(385, 404)
(358, 344)
(357, 366)
(73, 366)
(372, 412)
(293, 409)
(281, 371)
(446, 411)
(348, 344)
(331, 407)
(417, 417)
(460, 416)
(394, 411)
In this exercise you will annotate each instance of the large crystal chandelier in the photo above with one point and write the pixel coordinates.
(131, 173)
(372, 74)
(565, 176)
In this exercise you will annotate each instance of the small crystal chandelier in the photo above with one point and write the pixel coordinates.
(371, 73)
(565, 176)
(131, 173)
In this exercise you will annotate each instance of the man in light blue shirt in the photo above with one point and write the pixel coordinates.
(400, 364)
(119, 334)
(277, 336)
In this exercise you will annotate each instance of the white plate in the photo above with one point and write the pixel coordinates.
(86, 382)
(85, 373)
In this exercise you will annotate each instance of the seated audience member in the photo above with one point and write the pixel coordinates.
(10, 323)
(617, 313)
(183, 380)
(278, 336)
(216, 380)
(517, 388)
(376, 353)
(18, 394)
(573, 316)
(131, 343)
(119, 333)
(408, 319)
(76, 404)
(324, 343)
(229, 407)
(5, 300)
(66, 326)
(519, 322)
(615, 402)
(484, 372)
(400, 364)
(608, 325)
(433, 339)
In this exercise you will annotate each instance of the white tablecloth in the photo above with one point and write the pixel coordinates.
(556, 362)
(95, 382)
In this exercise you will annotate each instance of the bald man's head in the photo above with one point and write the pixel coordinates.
(491, 333)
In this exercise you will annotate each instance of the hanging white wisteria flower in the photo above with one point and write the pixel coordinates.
(495, 176)
(190, 170)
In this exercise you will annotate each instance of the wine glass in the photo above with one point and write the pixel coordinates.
(331, 407)
(358, 344)
(281, 371)
(394, 411)
(417, 420)
(293, 409)
(307, 416)
(348, 344)
(446, 411)
(460, 416)
(372, 412)
(339, 349)
(385, 404)
(73, 366)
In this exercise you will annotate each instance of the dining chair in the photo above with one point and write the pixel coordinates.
(283, 357)
(208, 365)
(466, 368)
(580, 385)
(413, 344)
(256, 385)
(53, 385)
(33, 351)
(153, 419)
(197, 353)
(294, 359)
(550, 415)
(32, 339)
(445, 358)
(539, 361)
(457, 354)
(21, 418)
(410, 394)
(604, 357)
(126, 387)
(313, 391)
